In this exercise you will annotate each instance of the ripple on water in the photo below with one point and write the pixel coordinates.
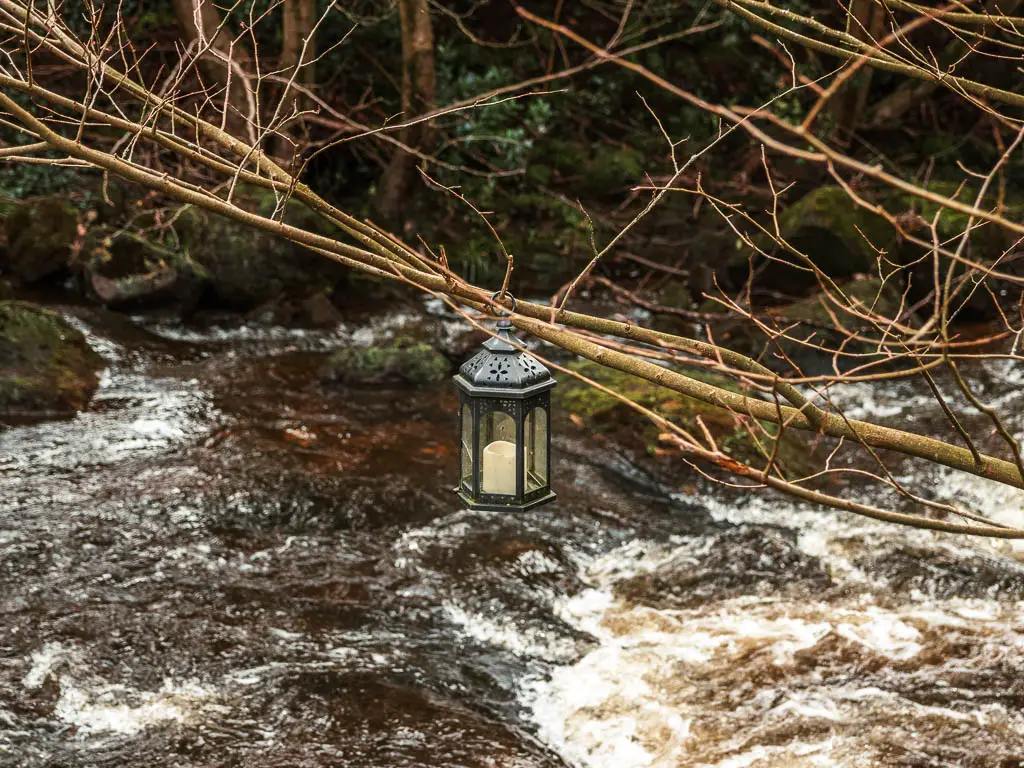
(132, 415)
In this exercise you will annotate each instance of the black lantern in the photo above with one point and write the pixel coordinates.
(505, 427)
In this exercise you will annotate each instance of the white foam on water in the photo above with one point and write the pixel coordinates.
(869, 401)
(306, 338)
(131, 415)
(94, 706)
(44, 662)
(106, 711)
(997, 501)
(648, 695)
(503, 632)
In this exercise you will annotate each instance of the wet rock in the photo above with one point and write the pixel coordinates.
(817, 316)
(942, 574)
(372, 723)
(401, 361)
(46, 365)
(450, 335)
(41, 696)
(866, 293)
(606, 414)
(302, 503)
(41, 236)
(247, 268)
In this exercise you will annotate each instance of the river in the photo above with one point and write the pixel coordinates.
(224, 563)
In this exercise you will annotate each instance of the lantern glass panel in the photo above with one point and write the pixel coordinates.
(466, 449)
(498, 463)
(535, 468)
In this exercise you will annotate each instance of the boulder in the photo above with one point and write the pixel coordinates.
(41, 236)
(816, 325)
(314, 311)
(46, 366)
(401, 361)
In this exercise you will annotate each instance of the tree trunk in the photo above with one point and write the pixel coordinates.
(298, 52)
(419, 92)
(224, 65)
(865, 21)
(297, 30)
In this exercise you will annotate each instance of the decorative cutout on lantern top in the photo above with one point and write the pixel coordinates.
(502, 365)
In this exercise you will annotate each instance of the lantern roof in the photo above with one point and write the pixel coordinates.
(501, 368)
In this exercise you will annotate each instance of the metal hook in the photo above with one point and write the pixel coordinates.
(502, 312)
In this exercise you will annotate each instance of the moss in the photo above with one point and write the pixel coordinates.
(46, 365)
(402, 361)
(607, 414)
(989, 240)
(611, 171)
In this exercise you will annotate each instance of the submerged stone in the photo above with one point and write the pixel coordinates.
(245, 267)
(46, 366)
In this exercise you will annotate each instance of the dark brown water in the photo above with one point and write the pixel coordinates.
(225, 563)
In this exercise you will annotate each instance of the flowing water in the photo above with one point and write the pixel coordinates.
(225, 563)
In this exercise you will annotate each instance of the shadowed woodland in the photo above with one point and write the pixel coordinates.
(770, 250)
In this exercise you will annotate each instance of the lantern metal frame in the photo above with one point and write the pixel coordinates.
(502, 378)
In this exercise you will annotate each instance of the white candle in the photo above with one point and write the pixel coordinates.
(499, 468)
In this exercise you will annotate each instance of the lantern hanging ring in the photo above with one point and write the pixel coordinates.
(501, 312)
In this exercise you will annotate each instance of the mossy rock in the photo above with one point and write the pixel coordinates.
(40, 237)
(606, 172)
(403, 361)
(46, 366)
(839, 236)
(247, 268)
(607, 414)
(987, 243)
(987, 240)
